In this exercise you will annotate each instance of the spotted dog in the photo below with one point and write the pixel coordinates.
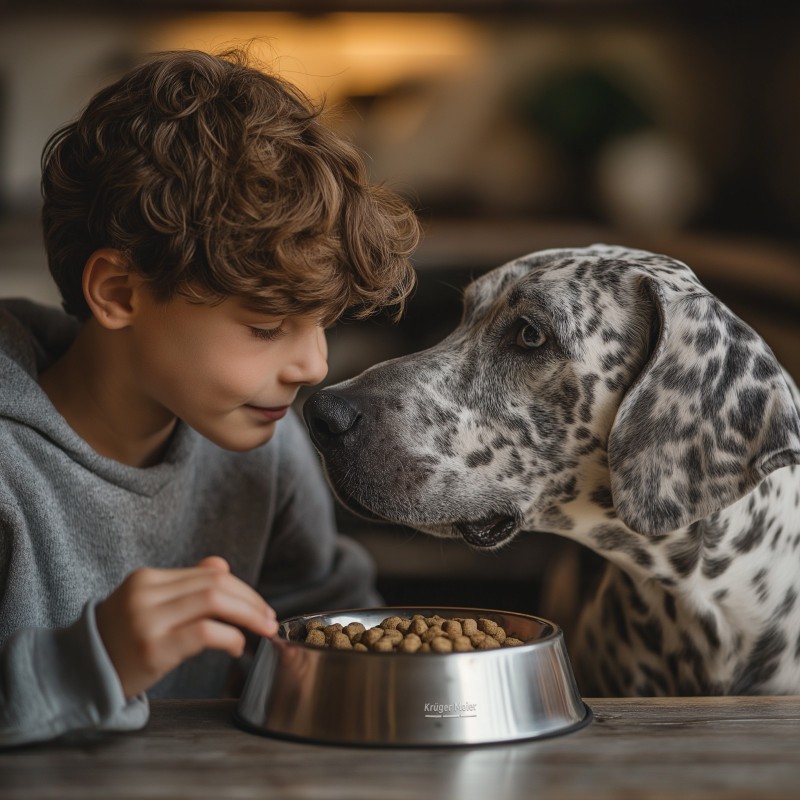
(605, 395)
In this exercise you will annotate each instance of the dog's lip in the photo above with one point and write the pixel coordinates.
(485, 533)
(489, 531)
(357, 508)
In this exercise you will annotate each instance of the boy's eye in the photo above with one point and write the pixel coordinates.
(269, 334)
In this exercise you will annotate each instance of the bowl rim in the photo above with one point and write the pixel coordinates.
(547, 640)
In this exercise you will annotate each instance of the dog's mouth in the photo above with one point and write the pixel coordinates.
(489, 531)
(483, 534)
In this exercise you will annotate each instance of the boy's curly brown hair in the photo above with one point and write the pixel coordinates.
(216, 179)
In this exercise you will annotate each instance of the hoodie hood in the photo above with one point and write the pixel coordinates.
(32, 337)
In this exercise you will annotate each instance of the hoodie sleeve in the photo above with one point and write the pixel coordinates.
(61, 681)
(53, 681)
(308, 566)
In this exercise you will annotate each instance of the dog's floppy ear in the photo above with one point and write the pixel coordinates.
(709, 416)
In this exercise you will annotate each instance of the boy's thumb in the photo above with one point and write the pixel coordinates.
(215, 562)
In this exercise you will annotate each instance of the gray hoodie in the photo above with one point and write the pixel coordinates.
(73, 524)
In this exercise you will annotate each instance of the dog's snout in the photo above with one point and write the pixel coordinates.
(328, 416)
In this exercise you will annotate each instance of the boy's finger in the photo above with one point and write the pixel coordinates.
(206, 634)
(210, 581)
(216, 604)
(214, 562)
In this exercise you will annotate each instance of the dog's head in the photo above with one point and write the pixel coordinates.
(602, 375)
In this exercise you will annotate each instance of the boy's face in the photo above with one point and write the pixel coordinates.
(228, 372)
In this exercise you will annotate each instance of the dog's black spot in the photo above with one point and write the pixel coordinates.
(479, 458)
(613, 614)
(754, 535)
(669, 606)
(588, 383)
(787, 604)
(612, 538)
(714, 567)
(673, 664)
(635, 600)
(655, 677)
(764, 368)
(708, 622)
(684, 555)
(694, 658)
(776, 537)
(651, 634)
(602, 497)
(748, 417)
(762, 663)
(706, 339)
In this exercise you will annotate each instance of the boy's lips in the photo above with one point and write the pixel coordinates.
(269, 413)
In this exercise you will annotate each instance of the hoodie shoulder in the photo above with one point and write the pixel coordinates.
(33, 335)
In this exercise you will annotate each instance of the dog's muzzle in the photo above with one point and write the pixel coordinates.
(329, 416)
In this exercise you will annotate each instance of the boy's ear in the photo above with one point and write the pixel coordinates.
(109, 286)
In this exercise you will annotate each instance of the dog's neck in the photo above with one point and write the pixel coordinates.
(727, 577)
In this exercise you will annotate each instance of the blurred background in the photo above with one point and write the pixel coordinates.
(510, 126)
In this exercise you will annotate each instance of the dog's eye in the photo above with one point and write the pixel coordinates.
(529, 336)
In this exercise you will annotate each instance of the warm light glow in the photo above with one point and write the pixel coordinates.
(334, 55)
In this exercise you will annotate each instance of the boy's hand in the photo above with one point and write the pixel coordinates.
(157, 618)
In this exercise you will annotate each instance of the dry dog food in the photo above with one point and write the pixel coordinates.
(416, 635)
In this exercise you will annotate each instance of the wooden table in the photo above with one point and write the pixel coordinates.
(645, 748)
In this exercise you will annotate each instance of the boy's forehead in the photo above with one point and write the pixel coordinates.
(254, 307)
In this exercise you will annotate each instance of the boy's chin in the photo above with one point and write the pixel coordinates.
(241, 441)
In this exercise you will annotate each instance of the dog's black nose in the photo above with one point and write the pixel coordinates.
(329, 416)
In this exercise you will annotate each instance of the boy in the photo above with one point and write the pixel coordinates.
(203, 228)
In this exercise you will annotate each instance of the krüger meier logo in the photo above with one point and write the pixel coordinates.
(451, 710)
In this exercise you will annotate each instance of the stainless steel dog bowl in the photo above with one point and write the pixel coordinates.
(400, 699)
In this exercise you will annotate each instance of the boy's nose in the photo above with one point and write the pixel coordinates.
(310, 365)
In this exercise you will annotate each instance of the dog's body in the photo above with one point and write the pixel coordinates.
(602, 394)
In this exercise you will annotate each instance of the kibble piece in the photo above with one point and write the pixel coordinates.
(435, 620)
(369, 637)
(477, 637)
(452, 628)
(500, 634)
(404, 625)
(418, 625)
(316, 637)
(314, 624)
(441, 644)
(487, 626)
(392, 635)
(410, 644)
(331, 629)
(362, 648)
(383, 646)
(425, 648)
(461, 644)
(341, 641)
(469, 626)
(488, 643)
(390, 623)
(354, 631)
(512, 641)
(431, 633)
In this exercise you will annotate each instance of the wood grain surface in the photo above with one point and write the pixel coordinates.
(645, 748)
